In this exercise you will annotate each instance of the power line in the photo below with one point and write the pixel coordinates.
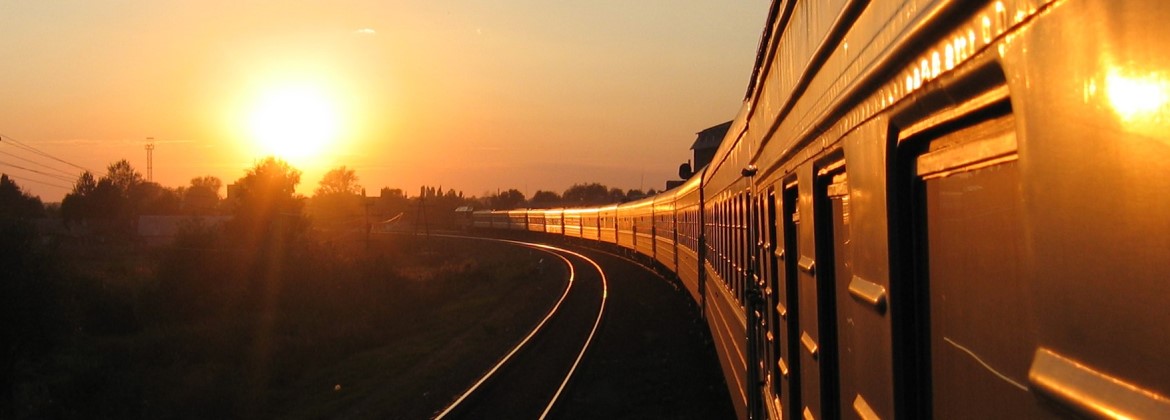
(58, 177)
(37, 151)
(40, 182)
(36, 163)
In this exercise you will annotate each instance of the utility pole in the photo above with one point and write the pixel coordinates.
(150, 159)
(366, 204)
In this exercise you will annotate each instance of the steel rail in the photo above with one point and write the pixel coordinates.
(553, 311)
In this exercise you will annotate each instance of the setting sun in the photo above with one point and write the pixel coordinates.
(294, 122)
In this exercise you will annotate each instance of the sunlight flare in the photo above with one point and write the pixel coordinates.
(295, 123)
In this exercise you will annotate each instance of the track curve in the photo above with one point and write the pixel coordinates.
(530, 386)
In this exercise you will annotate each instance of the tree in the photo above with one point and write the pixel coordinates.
(202, 197)
(616, 195)
(106, 202)
(123, 176)
(545, 199)
(17, 204)
(339, 180)
(267, 204)
(75, 207)
(507, 200)
(338, 201)
(586, 195)
(85, 184)
(152, 198)
(207, 182)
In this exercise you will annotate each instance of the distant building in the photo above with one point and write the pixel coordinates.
(707, 144)
(704, 150)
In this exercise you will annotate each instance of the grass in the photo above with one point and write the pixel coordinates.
(320, 329)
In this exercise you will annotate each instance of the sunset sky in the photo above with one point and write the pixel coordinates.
(468, 95)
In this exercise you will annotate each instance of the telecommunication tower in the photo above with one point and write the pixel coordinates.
(150, 159)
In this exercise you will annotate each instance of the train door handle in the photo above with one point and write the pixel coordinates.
(807, 265)
(809, 344)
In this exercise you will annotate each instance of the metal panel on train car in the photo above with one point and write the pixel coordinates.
(536, 220)
(554, 221)
(607, 224)
(642, 213)
(728, 331)
(785, 306)
(664, 230)
(688, 229)
(1093, 164)
(590, 224)
(481, 219)
(518, 219)
(500, 219)
(817, 384)
(860, 248)
(723, 304)
(572, 218)
(859, 305)
(971, 216)
(624, 226)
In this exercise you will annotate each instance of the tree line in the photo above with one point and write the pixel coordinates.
(578, 195)
(110, 204)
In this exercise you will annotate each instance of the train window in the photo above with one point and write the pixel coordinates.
(769, 277)
(739, 248)
(737, 241)
(721, 246)
(966, 207)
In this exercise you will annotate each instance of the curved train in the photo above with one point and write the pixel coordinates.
(929, 208)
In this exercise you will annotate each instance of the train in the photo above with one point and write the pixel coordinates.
(929, 208)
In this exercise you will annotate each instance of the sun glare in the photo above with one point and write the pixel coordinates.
(295, 123)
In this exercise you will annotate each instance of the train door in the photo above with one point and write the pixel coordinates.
(787, 305)
(962, 197)
(816, 289)
(863, 379)
(761, 319)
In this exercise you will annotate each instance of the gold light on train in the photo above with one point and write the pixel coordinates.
(1138, 99)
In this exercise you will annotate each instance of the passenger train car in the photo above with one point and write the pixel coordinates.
(927, 208)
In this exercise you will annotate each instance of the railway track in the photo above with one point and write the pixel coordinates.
(529, 379)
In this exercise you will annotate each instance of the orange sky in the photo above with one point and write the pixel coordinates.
(470, 95)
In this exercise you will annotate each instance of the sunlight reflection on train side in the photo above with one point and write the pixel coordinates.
(1140, 100)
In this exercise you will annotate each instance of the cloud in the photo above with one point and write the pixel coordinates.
(365, 31)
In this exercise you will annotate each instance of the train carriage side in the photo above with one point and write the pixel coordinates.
(573, 220)
(625, 218)
(723, 191)
(922, 234)
(590, 223)
(664, 230)
(501, 220)
(554, 221)
(688, 226)
(517, 219)
(481, 219)
(641, 212)
(536, 222)
(498, 219)
(607, 224)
